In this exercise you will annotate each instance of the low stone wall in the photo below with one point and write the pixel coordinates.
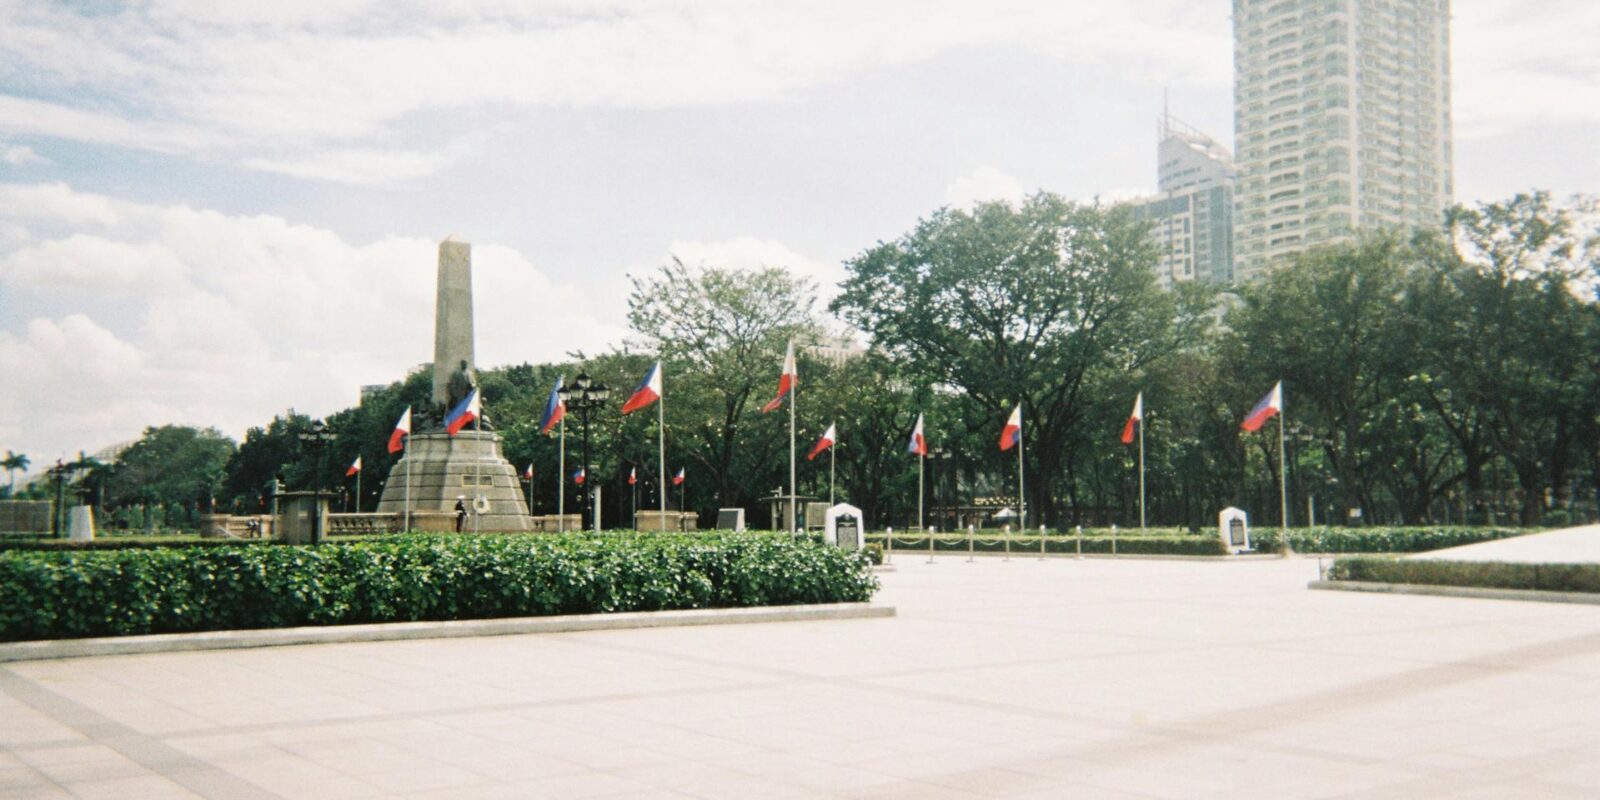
(228, 526)
(558, 523)
(25, 516)
(669, 521)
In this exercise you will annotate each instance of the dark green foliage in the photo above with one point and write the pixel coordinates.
(74, 594)
(1376, 540)
(1482, 574)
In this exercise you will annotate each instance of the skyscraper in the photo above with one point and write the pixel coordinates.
(1341, 121)
(1192, 216)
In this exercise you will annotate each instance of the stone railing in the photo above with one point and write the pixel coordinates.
(669, 521)
(229, 526)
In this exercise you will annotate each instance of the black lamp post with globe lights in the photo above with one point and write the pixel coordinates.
(584, 397)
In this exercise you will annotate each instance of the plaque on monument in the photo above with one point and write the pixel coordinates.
(730, 519)
(469, 465)
(1233, 525)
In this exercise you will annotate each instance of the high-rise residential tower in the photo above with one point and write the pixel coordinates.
(1341, 121)
(1192, 216)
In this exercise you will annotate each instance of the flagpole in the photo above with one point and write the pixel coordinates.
(561, 479)
(477, 469)
(921, 524)
(794, 395)
(661, 439)
(1283, 473)
(358, 491)
(831, 501)
(406, 455)
(1141, 470)
(1022, 500)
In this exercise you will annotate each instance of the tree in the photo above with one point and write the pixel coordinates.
(1020, 304)
(171, 465)
(1327, 325)
(14, 463)
(1509, 339)
(721, 334)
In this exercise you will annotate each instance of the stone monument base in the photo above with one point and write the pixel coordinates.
(468, 465)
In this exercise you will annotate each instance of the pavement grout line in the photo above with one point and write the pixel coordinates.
(194, 774)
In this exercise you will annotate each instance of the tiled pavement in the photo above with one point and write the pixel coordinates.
(1021, 678)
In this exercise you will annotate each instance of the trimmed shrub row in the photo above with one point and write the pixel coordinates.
(121, 543)
(1483, 574)
(48, 595)
(1377, 539)
(1186, 545)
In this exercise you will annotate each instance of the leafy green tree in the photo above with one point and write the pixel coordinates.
(1008, 304)
(171, 465)
(721, 334)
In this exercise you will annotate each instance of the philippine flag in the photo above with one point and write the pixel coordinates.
(828, 438)
(1136, 418)
(555, 408)
(1269, 407)
(465, 412)
(577, 477)
(527, 474)
(677, 480)
(633, 475)
(355, 467)
(786, 383)
(648, 392)
(918, 443)
(1011, 435)
(402, 429)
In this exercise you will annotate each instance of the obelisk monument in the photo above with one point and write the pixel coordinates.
(468, 466)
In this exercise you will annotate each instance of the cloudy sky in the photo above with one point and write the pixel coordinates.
(214, 211)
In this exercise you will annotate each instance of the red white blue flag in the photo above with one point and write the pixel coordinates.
(402, 429)
(527, 474)
(633, 475)
(786, 383)
(1011, 434)
(555, 408)
(828, 438)
(577, 477)
(648, 392)
(1136, 418)
(918, 443)
(1269, 407)
(464, 413)
(354, 467)
(677, 480)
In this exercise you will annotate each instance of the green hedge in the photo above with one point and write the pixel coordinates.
(1484, 574)
(1377, 539)
(1065, 543)
(45, 595)
(122, 543)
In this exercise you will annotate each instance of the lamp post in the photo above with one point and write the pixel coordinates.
(317, 439)
(584, 397)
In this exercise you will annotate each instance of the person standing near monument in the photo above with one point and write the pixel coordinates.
(461, 511)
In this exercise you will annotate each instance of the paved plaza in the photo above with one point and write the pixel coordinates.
(1021, 678)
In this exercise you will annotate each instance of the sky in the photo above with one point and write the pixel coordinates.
(211, 212)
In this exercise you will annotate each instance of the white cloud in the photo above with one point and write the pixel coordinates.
(305, 88)
(168, 314)
(363, 166)
(984, 184)
(18, 155)
(1520, 64)
(748, 252)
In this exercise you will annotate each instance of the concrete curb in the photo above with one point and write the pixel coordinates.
(393, 631)
(1025, 555)
(1578, 598)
